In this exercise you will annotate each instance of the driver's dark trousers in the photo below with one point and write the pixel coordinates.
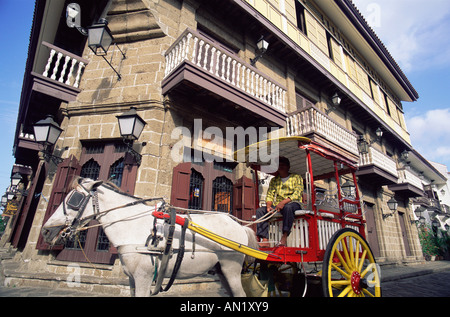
(288, 212)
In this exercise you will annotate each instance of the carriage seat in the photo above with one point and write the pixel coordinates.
(299, 213)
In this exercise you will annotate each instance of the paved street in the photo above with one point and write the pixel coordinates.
(431, 279)
(430, 285)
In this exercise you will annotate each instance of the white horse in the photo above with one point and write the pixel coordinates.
(128, 227)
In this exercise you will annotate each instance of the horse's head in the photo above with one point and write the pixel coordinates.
(74, 207)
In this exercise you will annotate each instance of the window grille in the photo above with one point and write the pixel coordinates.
(116, 172)
(196, 190)
(95, 148)
(222, 194)
(91, 169)
(102, 241)
(73, 244)
(120, 147)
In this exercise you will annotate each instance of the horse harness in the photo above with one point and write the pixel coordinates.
(78, 201)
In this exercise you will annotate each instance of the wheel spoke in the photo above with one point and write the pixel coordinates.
(349, 267)
(361, 263)
(347, 257)
(352, 255)
(357, 254)
(368, 268)
(343, 262)
(345, 291)
(340, 283)
(338, 269)
(365, 291)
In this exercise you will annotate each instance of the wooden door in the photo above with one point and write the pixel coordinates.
(105, 161)
(372, 236)
(404, 233)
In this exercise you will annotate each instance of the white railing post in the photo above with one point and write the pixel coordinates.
(212, 58)
(72, 66)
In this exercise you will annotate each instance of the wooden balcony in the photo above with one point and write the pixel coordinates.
(377, 168)
(60, 75)
(314, 124)
(196, 65)
(408, 185)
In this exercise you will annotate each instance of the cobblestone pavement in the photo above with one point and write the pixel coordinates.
(429, 285)
(431, 279)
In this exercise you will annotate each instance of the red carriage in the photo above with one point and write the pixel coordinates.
(329, 229)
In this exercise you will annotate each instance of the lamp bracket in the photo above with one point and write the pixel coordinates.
(119, 77)
(136, 155)
(386, 216)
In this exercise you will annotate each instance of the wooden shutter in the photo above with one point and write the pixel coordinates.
(180, 185)
(129, 174)
(24, 219)
(244, 199)
(67, 171)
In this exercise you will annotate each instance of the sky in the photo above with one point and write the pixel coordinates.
(414, 31)
(416, 34)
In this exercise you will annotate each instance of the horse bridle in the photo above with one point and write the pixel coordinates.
(78, 201)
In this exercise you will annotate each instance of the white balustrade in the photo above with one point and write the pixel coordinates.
(197, 49)
(375, 157)
(311, 120)
(63, 66)
(405, 176)
(299, 237)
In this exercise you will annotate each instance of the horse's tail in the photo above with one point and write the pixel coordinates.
(252, 243)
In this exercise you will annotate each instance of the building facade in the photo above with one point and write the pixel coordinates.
(186, 65)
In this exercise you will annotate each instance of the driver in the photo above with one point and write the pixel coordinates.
(284, 195)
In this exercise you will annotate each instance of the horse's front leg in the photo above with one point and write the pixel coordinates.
(139, 268)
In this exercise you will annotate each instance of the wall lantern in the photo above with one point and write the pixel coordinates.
(405, 155)
(100, 39)
(363, 145)
(336, 100)
(393, 206)
(348, 189)
(262, 46)
(10, 195)
(16, 179)
(131, 126)
(47, 132)
(4, 200)
(99, 35)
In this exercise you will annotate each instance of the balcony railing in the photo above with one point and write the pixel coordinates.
(63, 67)
(221, 63)
(311, 120)
(375, 157)
(405, 176)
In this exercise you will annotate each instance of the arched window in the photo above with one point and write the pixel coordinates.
(222, 195)
(116, 172)
(196, 190)
(91, 169)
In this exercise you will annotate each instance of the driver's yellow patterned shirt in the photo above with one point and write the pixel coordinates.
(279, 191)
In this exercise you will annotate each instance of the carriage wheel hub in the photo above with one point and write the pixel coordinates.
(356, 285)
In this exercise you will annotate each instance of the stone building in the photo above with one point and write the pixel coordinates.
(182, 60)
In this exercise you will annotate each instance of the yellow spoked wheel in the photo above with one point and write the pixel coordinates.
(349, 267)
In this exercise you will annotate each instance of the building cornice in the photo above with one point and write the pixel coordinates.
(359, 22)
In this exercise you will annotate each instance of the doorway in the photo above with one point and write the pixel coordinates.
(372, 236)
